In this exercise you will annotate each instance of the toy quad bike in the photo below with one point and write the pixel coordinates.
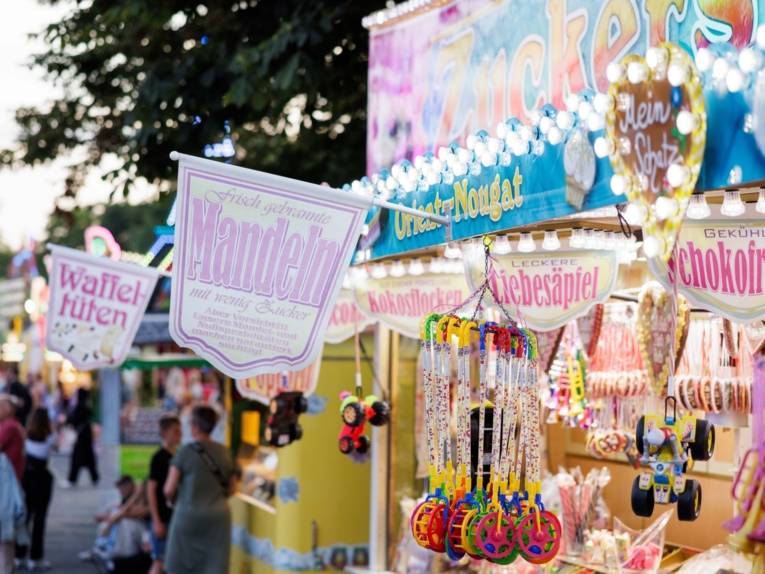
(667, 445)
(355, 413)
(282, 425)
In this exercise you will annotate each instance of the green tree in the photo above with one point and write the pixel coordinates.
(141, 78)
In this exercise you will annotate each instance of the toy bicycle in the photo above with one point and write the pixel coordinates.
(668, 445)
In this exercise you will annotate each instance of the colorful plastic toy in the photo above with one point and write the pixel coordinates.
(356, 412)
(667, 445)
(282, 425)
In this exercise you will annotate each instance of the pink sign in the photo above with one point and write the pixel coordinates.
(265, 387)
(95, 307)
(258, 265)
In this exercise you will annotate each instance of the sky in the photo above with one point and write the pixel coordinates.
(27, 195)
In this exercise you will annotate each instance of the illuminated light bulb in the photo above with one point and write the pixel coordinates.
(419, 161)
(686, 122)
(551, 241)
(595, 122)
(576, 240)
(572, 102)
(452, 251)
(436, 265)
(698, 208)
(761, 37)
(598, 239)
(677, 175)
(655, 57)
(555, 135)
(609, 241)
(615, 72)
(760, 207)
(534, 117)
(637, 72)
(732, 205)
(677, 74)
(749, 60)
(564, 120)
(651, 246)
(464, 155)
(589, 239)
(459, 168)
(359, 275)
(526, 243)
(525, 133)
(501, 245)
(619, 184)
(603, 103)
(720, 69)
(397, 269)
(704, 59)
(501, 130)
(444, 153)
(471, 141)
(603, 147)
(664, 207)
(634, 214)
(455, 266)
(479, 148)
(347, 281)
(488, 159)
(494, 145)
(520, 147)
(545, 123)
(511, 138)
(416, 267)
(378, 272)
(735, 80)
(585, 109)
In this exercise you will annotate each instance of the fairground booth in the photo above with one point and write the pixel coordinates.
(528, 339)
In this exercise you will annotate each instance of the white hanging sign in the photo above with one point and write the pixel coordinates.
(346, 317)
(95, 307)
(401, 303)
(720, 266)
(546, 290)
(258, 265)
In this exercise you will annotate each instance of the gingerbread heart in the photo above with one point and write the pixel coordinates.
(755, 334)
(656, 126)
(654, 326)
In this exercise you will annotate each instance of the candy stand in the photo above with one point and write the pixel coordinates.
(585, 402)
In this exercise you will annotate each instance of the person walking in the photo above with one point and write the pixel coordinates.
(83, 454)
(170, 433)
(203, 476)
(38, 489)
(12, 512)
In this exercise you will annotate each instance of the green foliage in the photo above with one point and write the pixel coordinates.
(141, 78)
(131, 225)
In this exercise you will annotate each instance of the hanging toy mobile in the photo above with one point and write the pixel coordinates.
(357, 410)
(504, 518)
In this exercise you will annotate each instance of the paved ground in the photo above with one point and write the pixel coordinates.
(70, 520)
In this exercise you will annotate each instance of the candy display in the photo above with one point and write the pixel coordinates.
(505, 518)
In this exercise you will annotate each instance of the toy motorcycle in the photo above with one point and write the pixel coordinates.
(668, 445)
